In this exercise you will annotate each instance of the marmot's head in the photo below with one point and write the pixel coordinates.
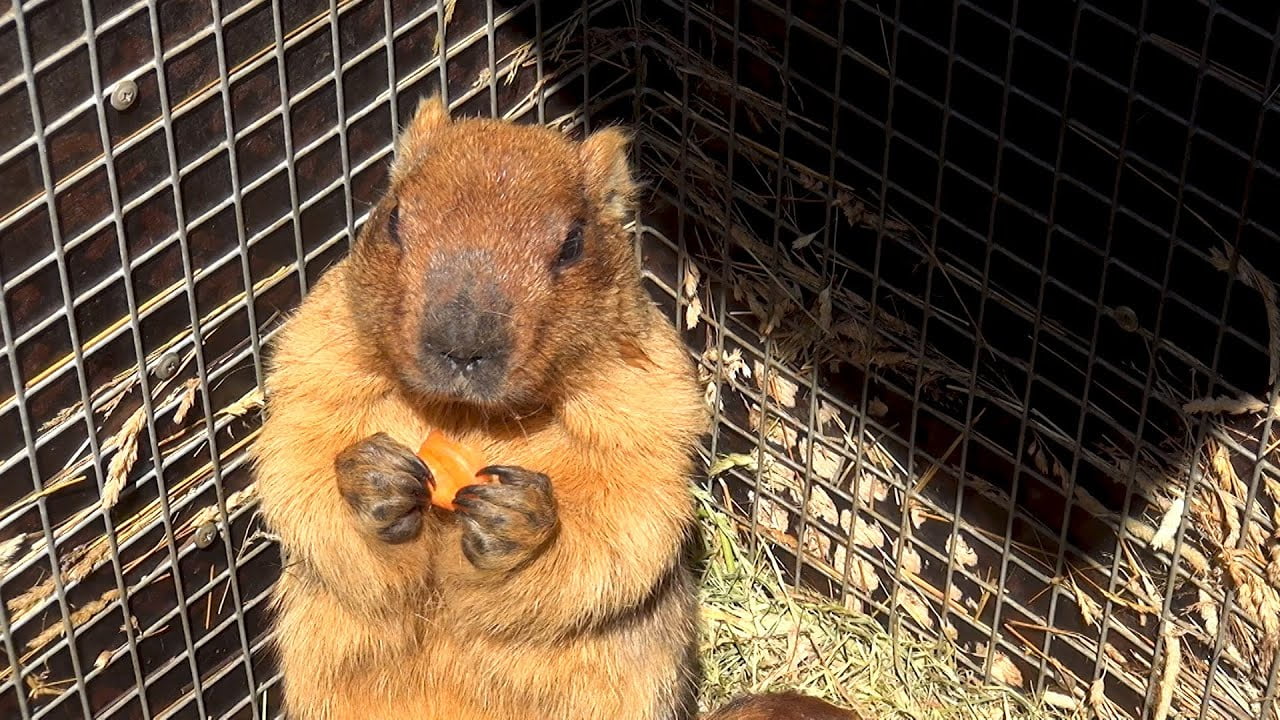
(496, 263)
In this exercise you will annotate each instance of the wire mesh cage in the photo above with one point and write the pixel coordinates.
(981, 296)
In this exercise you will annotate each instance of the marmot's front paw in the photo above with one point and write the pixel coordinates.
(385, 484)
(508, 522)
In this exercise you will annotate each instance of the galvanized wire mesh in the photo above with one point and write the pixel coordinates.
(1011, 263)
(980, 293)
(170, 231)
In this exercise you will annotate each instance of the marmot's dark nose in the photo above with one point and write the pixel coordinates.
(468, 336)
(467, 364)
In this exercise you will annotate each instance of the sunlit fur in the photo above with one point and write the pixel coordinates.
(486, 204)
(601, 398)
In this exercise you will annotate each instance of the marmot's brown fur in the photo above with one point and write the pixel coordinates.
(493, 294)
(788, 705)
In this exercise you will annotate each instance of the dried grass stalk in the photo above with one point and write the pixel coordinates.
(1222, 404)
(1252, 278)
(29, 601)
(126, 444)
(9, 548)
(1168, 674)
(189, 390)
(252, 400)
(82, 615)
(448, 7)
(759, 635)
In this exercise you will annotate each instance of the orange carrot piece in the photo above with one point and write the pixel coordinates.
(453, 466)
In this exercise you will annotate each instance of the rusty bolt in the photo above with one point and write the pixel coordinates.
(167, 365)
(206, 534)
(1126, 318)
(125, 92)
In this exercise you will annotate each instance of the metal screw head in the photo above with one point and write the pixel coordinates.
(1126, 318)
(125, 92)
(167, 365)
(206, 534)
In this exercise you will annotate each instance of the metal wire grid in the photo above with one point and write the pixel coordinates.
(725, 24)
(273, 249)
(341, 191)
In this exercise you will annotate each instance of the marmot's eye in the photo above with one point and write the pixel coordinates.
(571, 248)
(393, 225)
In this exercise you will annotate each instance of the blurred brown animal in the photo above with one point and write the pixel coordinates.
(492, 294)
(789, 705)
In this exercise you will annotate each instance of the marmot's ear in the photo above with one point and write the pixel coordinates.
(608, 171)
(431, 115)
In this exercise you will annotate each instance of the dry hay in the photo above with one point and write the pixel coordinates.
(1228, 524)
(758, 635)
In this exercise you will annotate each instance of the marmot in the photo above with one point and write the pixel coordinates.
(493, 294)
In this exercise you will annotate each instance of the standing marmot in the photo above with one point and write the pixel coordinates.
(494, 295)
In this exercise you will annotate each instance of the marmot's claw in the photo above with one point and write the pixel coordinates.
(506, 523)
(513, 475)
